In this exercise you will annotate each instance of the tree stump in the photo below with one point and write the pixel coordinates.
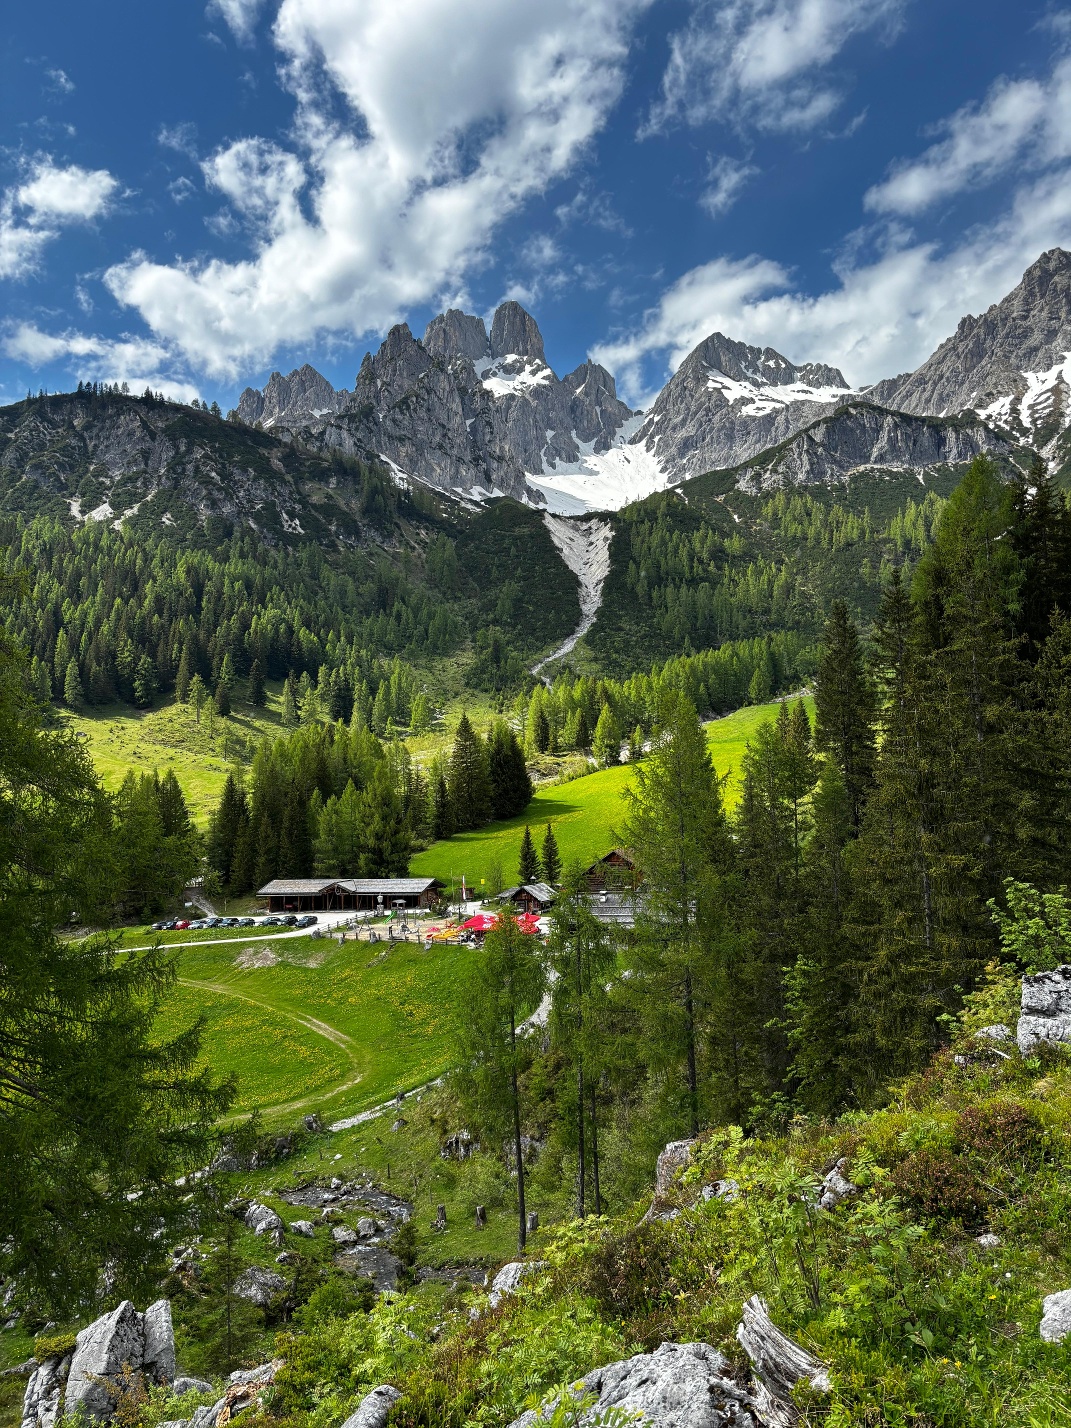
(440, 1219)
(533, 1222)
(481, 1217)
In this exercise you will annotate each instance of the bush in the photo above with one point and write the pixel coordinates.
(53, 1346)
(1001, 1131)
(940, 1185)
(630, 1275)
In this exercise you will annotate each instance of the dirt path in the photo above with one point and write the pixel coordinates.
(310, 1023)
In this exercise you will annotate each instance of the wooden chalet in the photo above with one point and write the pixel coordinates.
(616, 872)
(349, 894)
(533, 898)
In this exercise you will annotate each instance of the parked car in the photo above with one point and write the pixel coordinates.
(156, 927)
(226, 922)
(245, 922)
(213, 922)
(197, 926)
(272, 921)
(289, 919)
(308, 919)
(169, 925)
(181, 925)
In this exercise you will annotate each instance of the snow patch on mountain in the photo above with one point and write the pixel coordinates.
(512, 374)
(757, 398)
(603, 480)
(1043, 401)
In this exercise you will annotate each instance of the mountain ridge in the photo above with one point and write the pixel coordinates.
(477, 413)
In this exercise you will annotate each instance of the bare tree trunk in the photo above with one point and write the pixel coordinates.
(693, 1078)
(580, 1112)
(595, 1152)
(522, 1227)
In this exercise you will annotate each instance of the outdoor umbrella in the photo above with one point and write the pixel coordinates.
(482, 922)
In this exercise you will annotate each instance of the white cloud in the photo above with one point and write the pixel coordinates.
(763, 62)
(877, 319)
(180, 137)
(460, 111)
(1021, 123)
(32, 214)
(240, 16)
(60, 81)
(181, 189)
(66, 193)
(138, 361)
(725, 178)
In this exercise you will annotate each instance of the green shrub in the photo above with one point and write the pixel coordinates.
(629, 1275)
(53, 1346)
(940, 1185)
(1002, 1131)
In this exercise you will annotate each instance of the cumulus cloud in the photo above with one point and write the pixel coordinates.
(726, 177)
(66, 193)
(32, 213)
(876, 318)
(60, 81)
(138, 361)
(458, 111)
(763, 63)
(1020, 123)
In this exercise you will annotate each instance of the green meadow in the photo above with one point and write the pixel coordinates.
(338, 1030)
(326, 1028)
(587, 813)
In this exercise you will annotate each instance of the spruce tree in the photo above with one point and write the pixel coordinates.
(198, 695)
(73, 694)
(101, 1114)
(845, 709)
(582, 958)
(511, 785)
(606, 745)
(550, 859)
(185, 674)
(222, 701)
(257, 694)
(386, 841)
(289, 707)
(225, 827)
(470, 785)
(528, 860)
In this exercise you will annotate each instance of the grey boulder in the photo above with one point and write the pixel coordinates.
(373, 1408)
(678, 1386)
(509, 1277)
(343, 1235)
(262, 1220)
(1046, 1009)
(101, 1352)
(159, 1353)
(259, 1286)
(190, 1385)
(1056, 1317)
(836, 1187)
(676, 1158)
(305, 1228)
(41, 1404)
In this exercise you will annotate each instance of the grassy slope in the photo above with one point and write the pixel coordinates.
(169, 736)
(586, 814)
(322, 1018)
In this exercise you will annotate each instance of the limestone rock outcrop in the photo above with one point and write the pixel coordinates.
(1046, 1009)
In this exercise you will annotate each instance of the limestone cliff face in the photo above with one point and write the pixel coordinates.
(861, 435)
(1023, 337)
(474, 412)
(728, 401)
(469, 412)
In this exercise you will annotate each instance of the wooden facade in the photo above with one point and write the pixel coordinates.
(349, 894)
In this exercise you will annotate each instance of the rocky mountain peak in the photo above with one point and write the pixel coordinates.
(514, 332)
(303, 395)
(457, 334)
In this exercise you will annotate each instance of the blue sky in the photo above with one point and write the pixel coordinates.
(192, 197)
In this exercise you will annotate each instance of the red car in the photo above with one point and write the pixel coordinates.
(181, 926)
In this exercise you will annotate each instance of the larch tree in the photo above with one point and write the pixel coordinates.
(505, 984)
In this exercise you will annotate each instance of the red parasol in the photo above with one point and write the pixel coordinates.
(482, 922)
